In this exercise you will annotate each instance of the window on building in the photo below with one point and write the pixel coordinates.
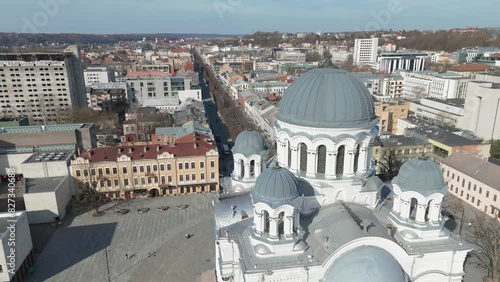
(212, 164)
(115, 170)
(155, 167)
(212, 175)
(456, 190)
(472, 199)
(92, 171)
(193, 177)
(116, 183)
(480, 189)
(141, 168)
(187, 177)
(148, 168)
(108, 183)
(467, 196)
(463, 183)
(202, 164)
(78, 174)
(162, 167)
(180, 165)
(170, 178)
(150, 180)
(107, 171)
(494, 198)
(202, 176)
(461, 193)
(478, 202)
(181, 178)
(186, 165)
(124, 169)
(487, 194)
(169, 167)
(136, 181)
(193, 165)
(143, 181)
(125, 182)
(134, 169)
(99, 171)
(453, 176)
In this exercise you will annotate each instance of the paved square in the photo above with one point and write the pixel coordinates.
(154, 241)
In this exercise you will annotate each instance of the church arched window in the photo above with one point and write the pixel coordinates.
(242, 168)
(413, 208)
(289, 155)
(321, 155)
(265, 218)
(303, 157)
(356, 159)
(252, 168)
(340, 160)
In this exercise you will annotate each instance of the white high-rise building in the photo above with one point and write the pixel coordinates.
(98, 75)
(365, 51)
(40, 85)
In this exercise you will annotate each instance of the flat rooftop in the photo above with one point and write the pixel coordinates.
(40, 128)
(43, 185)
(50, 156)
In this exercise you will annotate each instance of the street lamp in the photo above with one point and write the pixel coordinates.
(462, 222)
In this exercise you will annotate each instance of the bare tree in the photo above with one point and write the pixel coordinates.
(453, 204)
(389, 160)
(486, 236)
(88, 197)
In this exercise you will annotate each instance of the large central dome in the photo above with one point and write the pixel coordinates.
(327, 97)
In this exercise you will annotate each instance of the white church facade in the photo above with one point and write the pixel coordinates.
(318, 212)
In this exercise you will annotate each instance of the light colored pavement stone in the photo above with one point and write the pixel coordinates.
(155, 242)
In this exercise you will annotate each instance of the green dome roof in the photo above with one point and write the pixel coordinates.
(327, 97)
(275, 186)
(249, 142)
(420, 175)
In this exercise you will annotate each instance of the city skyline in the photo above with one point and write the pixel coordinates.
(240, 16)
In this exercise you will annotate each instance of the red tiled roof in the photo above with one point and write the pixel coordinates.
(470, 68)
(144, 152)
(146, 73)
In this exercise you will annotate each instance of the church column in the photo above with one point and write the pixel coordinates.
(273, 227)
(331, 164)
(247, 171)
(420, 217)
(397, 204)
(349, 163)
(295, 159)
(434, 211)
(281, 153)
(288, 226)
(405, 209)
(258, 222)
(237, 169)
(258, 168)
(296, 221)
(311, 163)
(363, 159)
(369, 156)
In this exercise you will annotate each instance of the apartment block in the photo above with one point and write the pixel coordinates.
(389, 113)
(40, 85)
(365, 51)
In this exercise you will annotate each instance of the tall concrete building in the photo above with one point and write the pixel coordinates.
(40, 85)
(98, 75)
(482, 110)
(365, 51)
(426, 84)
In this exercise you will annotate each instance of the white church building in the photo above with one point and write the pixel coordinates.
(318, 212)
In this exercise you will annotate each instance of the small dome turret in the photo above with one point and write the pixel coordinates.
(420, 175)
(249, 142)
(276, 185)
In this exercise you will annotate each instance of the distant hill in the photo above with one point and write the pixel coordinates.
(17, 39)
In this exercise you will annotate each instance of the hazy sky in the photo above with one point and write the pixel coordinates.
(241, 16)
